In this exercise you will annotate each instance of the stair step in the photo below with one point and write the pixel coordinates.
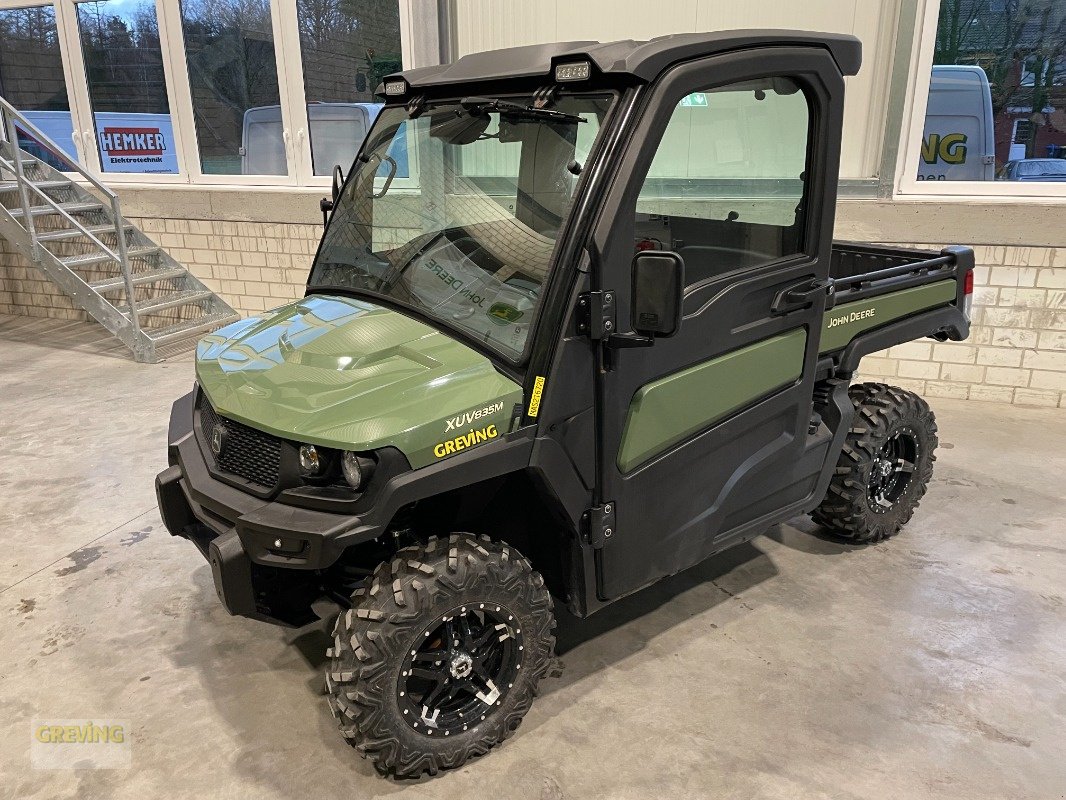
(100, 258)
(184, 330)
(12, 186)
(28, 162)
(182, 298)
(139, 279)
(74, 233)
(70, 208)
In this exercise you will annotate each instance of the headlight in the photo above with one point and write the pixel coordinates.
(356, 468)
(310, 461)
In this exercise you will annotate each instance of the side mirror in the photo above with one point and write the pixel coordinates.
(338, 181)
(658, 289)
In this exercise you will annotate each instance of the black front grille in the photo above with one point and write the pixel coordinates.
(246, 452)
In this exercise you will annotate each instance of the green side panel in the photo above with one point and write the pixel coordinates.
(673, 408)
(844, 323)
(348, 374)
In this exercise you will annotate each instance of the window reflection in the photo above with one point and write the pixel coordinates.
(233, 76)
(31, 79)
(127, 87)
(347, 48)
(997, 100)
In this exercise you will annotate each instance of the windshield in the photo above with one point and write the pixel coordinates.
(456, 211)
(1047, 166)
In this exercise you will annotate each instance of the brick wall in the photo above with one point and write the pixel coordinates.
(26, 291)
(1016, 352)
(253, 265)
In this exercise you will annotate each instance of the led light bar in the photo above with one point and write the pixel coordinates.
(395, 87)
(577, 71)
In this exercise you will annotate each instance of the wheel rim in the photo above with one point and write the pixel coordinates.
(892, 470)
(460, 669)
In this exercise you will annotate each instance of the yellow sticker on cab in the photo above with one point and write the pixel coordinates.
(534, 399)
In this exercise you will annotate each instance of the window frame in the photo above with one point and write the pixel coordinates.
(81, 104)
(907, 185)
(66, 59)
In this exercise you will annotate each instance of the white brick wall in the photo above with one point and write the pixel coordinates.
(1016, 352)
(253, 265)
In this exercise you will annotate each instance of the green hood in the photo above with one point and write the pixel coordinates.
(348, 374)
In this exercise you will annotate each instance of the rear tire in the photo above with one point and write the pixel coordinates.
(884, 467)
(440, 656)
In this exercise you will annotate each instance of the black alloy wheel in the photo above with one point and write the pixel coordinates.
(441, 654)
(892, 470)
(465, 665)
(884, 467)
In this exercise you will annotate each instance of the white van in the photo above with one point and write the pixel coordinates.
(959, 142)
(337, 131)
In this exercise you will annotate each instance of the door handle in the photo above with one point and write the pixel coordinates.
(803, 294)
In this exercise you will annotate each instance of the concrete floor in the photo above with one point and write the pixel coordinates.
(930, 666)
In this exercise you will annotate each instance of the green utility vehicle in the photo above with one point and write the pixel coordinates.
(576, 323)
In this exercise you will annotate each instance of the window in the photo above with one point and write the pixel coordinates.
(997, 96)
(726, 187)
(346, 48)
(127, 87)
(207, 91)
(233, 78)
(31, 78)
(467, 240)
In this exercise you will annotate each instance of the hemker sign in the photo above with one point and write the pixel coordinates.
(132, 145)
(136, 143)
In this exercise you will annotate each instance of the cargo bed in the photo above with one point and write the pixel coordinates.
(882, 296)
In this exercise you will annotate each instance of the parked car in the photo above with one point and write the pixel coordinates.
(337, 131)
(959, 139)
(1035, 169)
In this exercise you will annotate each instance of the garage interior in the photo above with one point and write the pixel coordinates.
(931, 665)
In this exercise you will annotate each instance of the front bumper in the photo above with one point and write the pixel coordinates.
(271, 559)
(265, 555)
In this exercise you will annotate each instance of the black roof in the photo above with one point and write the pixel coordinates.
(642, 60)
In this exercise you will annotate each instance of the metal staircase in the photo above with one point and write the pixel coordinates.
(125, 281)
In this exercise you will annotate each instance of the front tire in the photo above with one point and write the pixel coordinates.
(440, 656)
(884, 467)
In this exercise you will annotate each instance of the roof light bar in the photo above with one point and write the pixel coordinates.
(577, 71)
(395, 87)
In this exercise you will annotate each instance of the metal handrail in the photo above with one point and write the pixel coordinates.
(44, 139)
(10, 114)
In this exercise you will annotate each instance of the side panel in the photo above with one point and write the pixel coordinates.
(671, 409)
(845, 322)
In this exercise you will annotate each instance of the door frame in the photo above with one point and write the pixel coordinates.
(819, 76)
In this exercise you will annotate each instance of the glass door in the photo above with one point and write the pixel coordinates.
(32, 78)
(345, 49)
(234, 103)
(131, 124)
